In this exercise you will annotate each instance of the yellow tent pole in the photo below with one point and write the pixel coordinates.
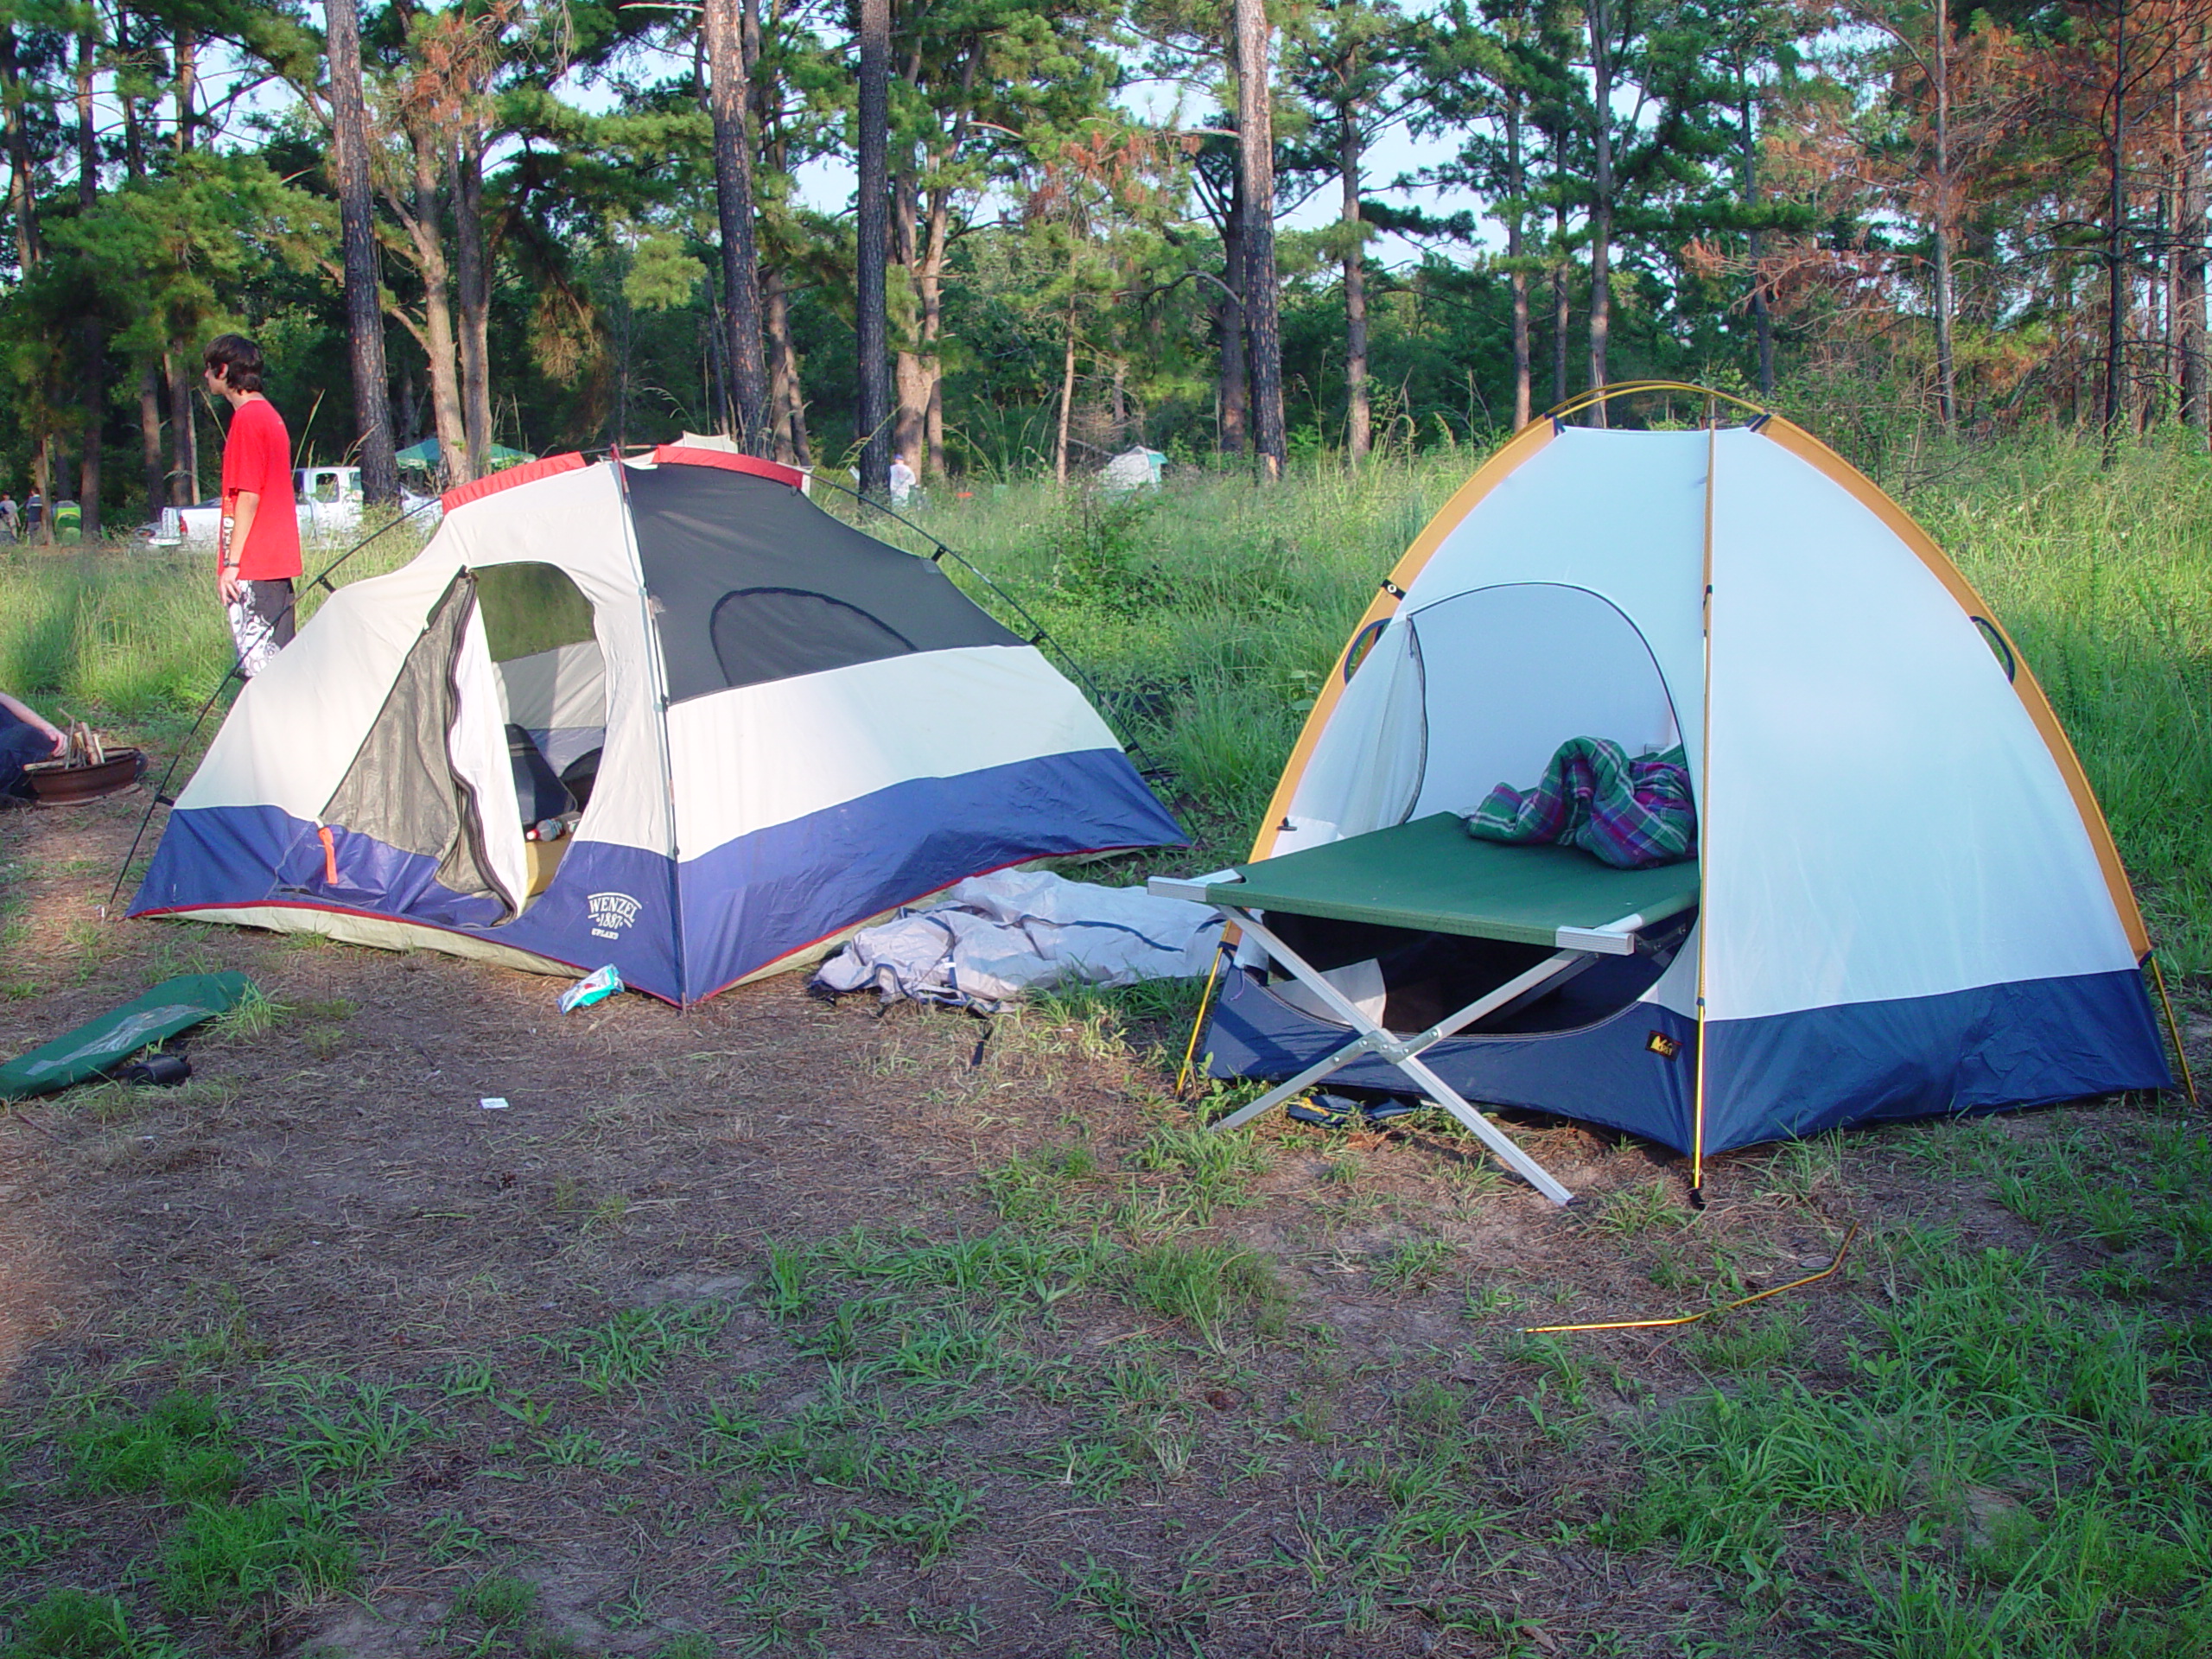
(1198, 1025)
(1605, 394)
(2173, 1030)
(1704, 828)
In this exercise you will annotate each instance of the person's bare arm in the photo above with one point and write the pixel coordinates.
(35, 721)
(227, 583)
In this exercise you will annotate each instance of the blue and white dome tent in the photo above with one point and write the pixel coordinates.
(776, 727)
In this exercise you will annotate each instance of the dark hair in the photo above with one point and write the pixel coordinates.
(239, 358)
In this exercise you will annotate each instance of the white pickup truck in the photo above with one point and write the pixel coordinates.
(329, 506)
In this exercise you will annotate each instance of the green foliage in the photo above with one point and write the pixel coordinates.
(500, 1599)
(2141, 1190)
(2041, 1500)
(1649, 1207)
(255, 1016)
(182, 1447)
(71, 1624)
(1413, 1265)
(235, 1560)
(1104, 559)
(360, 1437)
(634, 1347)
(1207, 1285)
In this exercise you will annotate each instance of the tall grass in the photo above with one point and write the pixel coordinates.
(1207, 615)
(135, 634)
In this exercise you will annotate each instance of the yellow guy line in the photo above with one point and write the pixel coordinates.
(1692, 1319)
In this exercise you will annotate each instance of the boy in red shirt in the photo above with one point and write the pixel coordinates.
(257, 549)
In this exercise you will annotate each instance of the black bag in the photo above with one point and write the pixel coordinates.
(538, 789)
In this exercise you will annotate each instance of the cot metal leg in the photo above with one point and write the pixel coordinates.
(1403, 1053)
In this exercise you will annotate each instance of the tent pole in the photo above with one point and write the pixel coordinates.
(1198, 1023)
(1705, 821)
(2173, 1030)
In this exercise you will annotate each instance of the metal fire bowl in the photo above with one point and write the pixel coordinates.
(65, 786)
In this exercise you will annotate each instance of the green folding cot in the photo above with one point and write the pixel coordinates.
(1432, 876)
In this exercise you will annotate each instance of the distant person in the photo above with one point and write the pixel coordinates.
(903, 479)
(25, 735)
(258, 545)
(10, 518)
(33, 512)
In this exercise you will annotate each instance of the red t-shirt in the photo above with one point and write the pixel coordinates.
(258, 456)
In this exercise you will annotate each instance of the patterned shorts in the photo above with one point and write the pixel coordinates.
(261, 623)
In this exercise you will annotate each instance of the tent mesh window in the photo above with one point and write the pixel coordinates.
(751, 582)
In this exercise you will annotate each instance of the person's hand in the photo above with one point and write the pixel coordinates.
(57, 740)
(228, 585)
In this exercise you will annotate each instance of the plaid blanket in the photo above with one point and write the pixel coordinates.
(1630, 813)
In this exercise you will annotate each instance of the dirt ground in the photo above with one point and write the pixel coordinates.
(611, 1371)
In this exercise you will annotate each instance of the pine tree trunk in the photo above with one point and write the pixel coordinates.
(1562, 313)
(2116, 273)
(2189, 290)
(786, 398)
(909, 384)
(1946, 373)
(472, 293)
(1067, 404)
(22, 192)
(1516, 184)
(188, 77)
(1601, 198)
(349, 120)
(1229, 321)
(933, 428)
(775, 329)
(1358, 435)
(149, 437)
(181, 362)
(728, 94)
(1257, 158)
(43, 471)
(424, 225)
(134, 133)
(930, 280)
(1762, 313)
(94, 368)
(870, 321)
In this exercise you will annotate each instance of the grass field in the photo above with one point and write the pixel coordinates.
(774, 1328)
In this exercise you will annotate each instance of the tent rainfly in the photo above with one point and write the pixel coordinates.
(1906, 903)
(775, 727)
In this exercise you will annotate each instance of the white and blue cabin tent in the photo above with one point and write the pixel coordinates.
(1909, 901)
(775, 727)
